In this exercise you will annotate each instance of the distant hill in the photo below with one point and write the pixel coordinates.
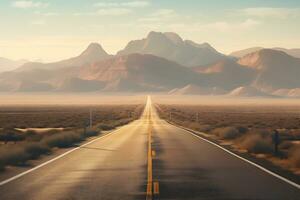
(172, 47)
(244, 52)
(275, 69)
(162, 62)
(227, 74)
(287, 92)
(291, 52)
(145, 71)
(93, 53)
(247, 91)
(8, 65)
(134, 72)
(197, 90)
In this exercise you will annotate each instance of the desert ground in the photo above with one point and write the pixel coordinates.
(246, 125)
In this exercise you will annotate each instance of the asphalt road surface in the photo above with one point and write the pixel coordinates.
(148, 159)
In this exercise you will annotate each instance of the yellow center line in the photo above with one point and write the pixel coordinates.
(152, 187)
(156, 188)
(150, 181)
(153, 153)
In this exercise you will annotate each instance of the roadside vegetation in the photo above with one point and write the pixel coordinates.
(20, 142)
(245, 129)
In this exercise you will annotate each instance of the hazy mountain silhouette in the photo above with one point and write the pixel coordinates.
(161, 65)
(8, 65)
(227, 74)
(134, 72)
(244, 52)
(73, 84)
(275, 69)
(171, 46)
(287, 92)
(291, 52)
(247, 91)
(145, 71)
(197, 90)
(93, 53)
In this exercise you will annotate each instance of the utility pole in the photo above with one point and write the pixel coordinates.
(91, 118)
(276, 141)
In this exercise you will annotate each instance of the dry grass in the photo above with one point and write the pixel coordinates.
(256, 143)
(18, 147)
(227, 132)
(294, 156)
(249, 128)
(63, 116)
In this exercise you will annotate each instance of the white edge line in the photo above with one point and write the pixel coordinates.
(244, 159)
(54, 159)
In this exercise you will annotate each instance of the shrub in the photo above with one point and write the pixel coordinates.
(16, 156)
(11, 135)
(205, 128)
(63, 140)
(257, 143)
(294, 156)
(285, 145)
(35, 150)
(32, 135)
(91, 132)
(227, 132)
(242, 129)
(192, 125)
(106, 127)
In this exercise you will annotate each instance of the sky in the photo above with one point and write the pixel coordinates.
(50, 30)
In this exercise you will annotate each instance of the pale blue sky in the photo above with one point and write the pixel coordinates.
(56, 29)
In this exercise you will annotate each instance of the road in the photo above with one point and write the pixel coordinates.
(148, 159)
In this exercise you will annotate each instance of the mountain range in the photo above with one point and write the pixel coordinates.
(163, 62)
(243, 52)
(8, 65)
(172, 47)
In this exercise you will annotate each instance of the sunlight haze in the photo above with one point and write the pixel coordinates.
(52, 29)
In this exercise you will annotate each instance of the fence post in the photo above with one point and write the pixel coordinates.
(276, 141)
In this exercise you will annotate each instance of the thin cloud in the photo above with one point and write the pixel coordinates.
(29, 4)
(113, 12)
(136, 4)
(50, 14)
(164, 13)
(107, 12)
(224, 26)
(115, 8)
(38, 22)
(46, 14)
(270, 12)
(130, 4)
(159, 15)
(218, 26)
